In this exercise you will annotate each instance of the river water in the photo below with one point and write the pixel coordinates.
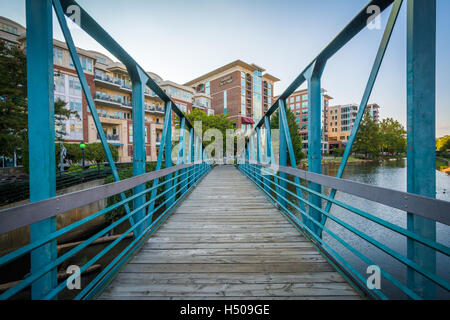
(392, 175)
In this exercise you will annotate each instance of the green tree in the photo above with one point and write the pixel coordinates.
(368, 139)
(443, 144)
(392, 135)
(338, 152)
(294, 131)
(95, 154)
(220, 122)
(13, 104)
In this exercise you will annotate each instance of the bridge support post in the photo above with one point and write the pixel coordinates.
(421, 127)
(182, 154)
(196, 157)
(168, 154)
(313, 77)
(41, 135)
(270, 157)
(283, 153)
(191, 157)
(258, 154)
(139, 157)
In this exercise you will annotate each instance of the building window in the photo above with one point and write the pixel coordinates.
(291, 100)
(297, 98)
(10, 29)
(225, 102)
(57, 56)
(130, 132)
(208, 88)
(182, 107)
(74, 87)
(60, 84)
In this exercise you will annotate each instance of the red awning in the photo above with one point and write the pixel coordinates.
(247, 120)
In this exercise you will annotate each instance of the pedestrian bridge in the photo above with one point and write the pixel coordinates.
(226, 240)
(261, 228)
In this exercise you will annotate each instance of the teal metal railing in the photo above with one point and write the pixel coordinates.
(303, 206)
(139, 209)
(184, 178)
(288, 200)
(312, 204)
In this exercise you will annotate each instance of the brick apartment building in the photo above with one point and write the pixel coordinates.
(298, 103)
(111, 89)
(239, 90)
(341, 121)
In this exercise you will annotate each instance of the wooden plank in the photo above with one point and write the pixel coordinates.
(231, 290)
(205, 278)
(231, 252)
(229, 267)
(227, 241)
(222, 245)
(169, 258)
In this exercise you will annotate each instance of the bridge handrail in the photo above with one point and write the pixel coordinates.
(185, 177)
(24, 215)
(434, 209)
(271, 187)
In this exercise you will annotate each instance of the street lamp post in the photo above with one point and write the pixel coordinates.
(82, 146)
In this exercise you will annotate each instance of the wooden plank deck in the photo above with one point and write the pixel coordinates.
(227, 241)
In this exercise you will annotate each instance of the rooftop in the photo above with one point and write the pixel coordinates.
(237, 63)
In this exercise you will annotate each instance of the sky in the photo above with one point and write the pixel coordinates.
(181, 40)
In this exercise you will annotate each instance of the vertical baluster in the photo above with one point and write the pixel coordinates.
(282, 156)
(138, 82)
(315, 137)
(41, 134)
(168, 156)
(191, 157)
(181, 153)
(421, 127)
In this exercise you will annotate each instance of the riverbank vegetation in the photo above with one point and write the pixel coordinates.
(386, 139)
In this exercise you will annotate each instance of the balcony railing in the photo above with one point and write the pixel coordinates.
(110, 137)
(107, 98)
(118, 82)
(154, 108)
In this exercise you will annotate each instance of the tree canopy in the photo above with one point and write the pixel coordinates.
(392, 136)
(368, 139)
(13, 103)
(443, 143)
(220, 122)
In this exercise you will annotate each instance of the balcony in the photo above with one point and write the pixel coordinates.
(151, 94)
(154, 109)
(111, 137)
(112, 83)
(199, 105)
(107, 100)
